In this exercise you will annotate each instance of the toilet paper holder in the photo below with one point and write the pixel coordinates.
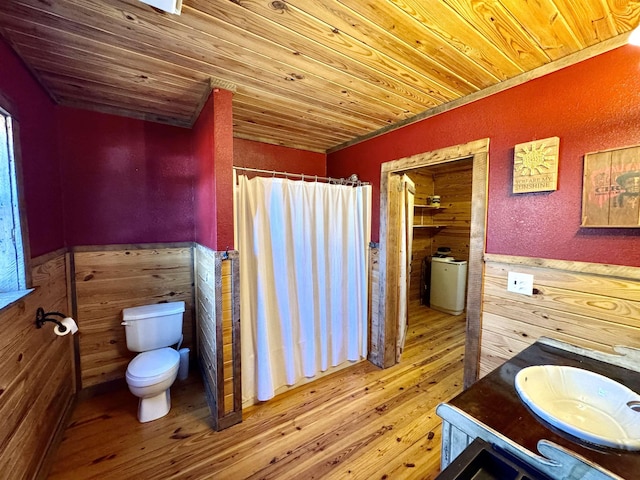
(42, 317)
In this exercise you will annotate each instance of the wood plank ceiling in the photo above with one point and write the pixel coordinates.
(311, 74)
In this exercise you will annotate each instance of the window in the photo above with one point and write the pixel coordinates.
(12, 261)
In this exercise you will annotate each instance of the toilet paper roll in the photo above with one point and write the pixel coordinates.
(71, 325)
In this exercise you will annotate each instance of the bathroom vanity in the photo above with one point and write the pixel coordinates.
(492, 411)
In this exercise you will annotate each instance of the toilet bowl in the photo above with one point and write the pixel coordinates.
(149, 377)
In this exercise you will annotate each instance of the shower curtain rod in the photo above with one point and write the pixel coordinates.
(352, 180)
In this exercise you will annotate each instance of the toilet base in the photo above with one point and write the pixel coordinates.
(154, 407)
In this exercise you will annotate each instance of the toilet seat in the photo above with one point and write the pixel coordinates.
(154, 366)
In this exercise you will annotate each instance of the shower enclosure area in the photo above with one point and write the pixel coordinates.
(303, 251)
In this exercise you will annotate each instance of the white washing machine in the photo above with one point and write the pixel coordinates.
(448, 284)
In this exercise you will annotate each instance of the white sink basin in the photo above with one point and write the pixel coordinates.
(584, 404)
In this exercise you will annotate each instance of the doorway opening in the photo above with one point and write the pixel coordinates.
(388, 329)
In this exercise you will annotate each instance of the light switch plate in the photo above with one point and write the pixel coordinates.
(520, 283)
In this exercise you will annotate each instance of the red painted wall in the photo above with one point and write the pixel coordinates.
(274, 157)
(213, 151)
(204, 199)
(125, 180)
(36, 114)
(223, 168)
(591, 106)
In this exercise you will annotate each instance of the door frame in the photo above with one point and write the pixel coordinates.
(386, 331)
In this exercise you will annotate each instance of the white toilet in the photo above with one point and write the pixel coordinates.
(152, 330)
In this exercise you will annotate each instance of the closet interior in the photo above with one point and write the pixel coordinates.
(439, 229)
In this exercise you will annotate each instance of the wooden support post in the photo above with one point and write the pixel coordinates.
(218, 319)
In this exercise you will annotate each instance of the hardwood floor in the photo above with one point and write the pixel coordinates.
(359, 423)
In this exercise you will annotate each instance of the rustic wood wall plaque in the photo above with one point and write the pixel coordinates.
(535, 166)
(611, 189)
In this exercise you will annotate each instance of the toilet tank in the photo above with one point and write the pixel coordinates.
(153, 326)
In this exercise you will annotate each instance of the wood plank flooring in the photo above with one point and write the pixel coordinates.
(359, 423)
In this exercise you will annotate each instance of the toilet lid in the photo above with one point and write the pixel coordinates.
(152, 366)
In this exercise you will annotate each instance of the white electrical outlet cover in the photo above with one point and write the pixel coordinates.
(520, 283)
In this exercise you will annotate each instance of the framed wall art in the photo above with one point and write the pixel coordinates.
(535, 166)
(611, 189)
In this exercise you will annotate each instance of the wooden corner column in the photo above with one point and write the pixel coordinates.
(218, 316)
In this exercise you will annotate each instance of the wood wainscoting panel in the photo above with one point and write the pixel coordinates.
(374, 305)
(218, 330)
(205, 286)
(36, 373)
(109, 279)
(227, 336)
(589, 305)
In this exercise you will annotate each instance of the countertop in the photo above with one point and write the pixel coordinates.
(494, 401)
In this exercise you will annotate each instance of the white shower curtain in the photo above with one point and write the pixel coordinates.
(303, 279)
